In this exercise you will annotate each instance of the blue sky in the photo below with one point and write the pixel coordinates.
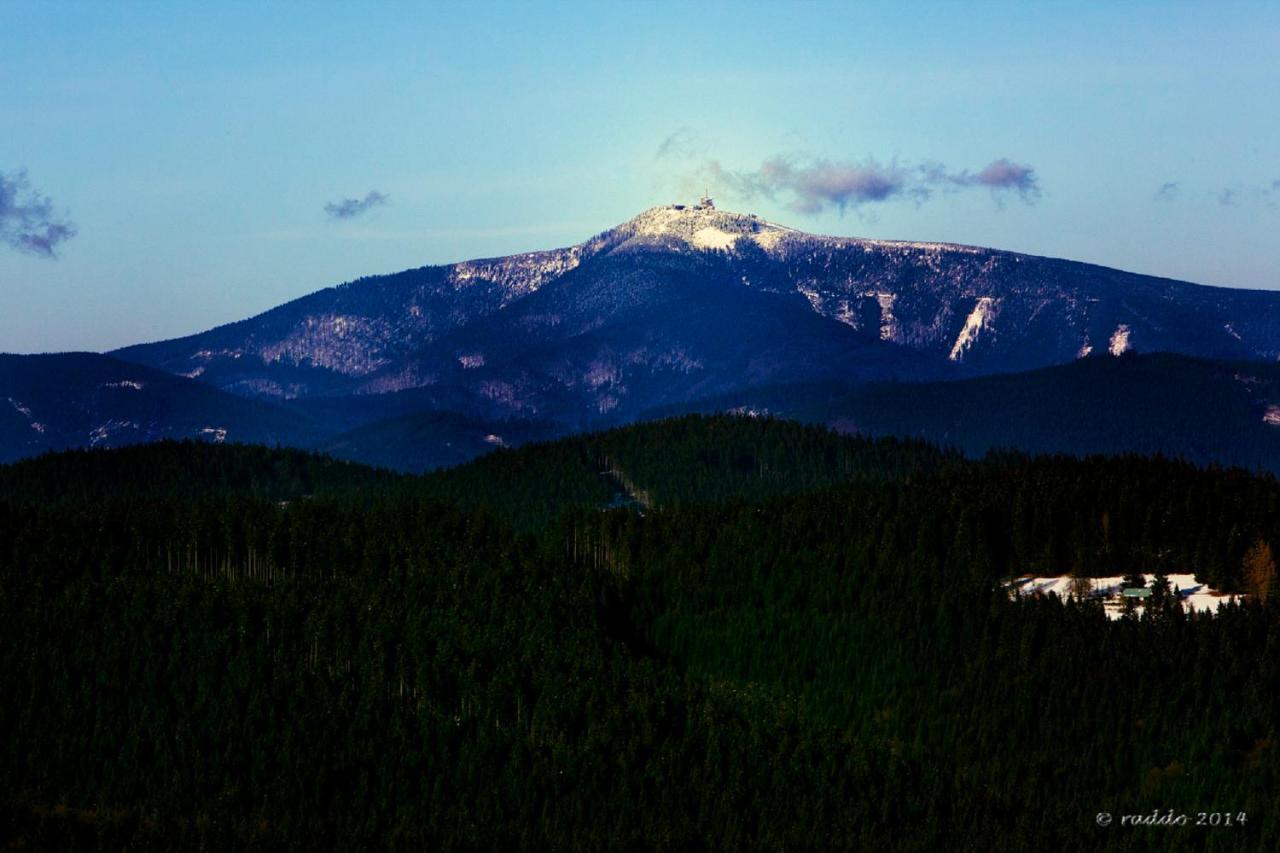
(194, 147)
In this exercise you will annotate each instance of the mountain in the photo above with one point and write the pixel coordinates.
(68, 400)
(689, 308)
(686, 302)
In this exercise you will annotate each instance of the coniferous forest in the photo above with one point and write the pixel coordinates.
(704, 633)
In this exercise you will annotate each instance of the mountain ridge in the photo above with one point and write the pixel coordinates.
(675, 306)
(561, 333)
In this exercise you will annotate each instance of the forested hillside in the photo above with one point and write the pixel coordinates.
(181, 469)
(1199, 410)
(1207, 412)
(783, 639)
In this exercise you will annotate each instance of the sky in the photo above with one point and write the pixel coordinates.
(168, 167)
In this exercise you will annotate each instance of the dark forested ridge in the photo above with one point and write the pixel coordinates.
(681, 460)
(783, 638)
(181, 469)
(1204, 411)
(426, 441)
(67, 400)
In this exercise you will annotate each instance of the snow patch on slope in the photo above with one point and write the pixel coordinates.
(217, 435)
(769, 238)
(845, 314)
(980, 319)
(26, 413)
(105, 431)
(346, 343)
(888, 322)
(516, 275)
(713, 238)
(1119, 343)
(814, 297)
(1271, 417)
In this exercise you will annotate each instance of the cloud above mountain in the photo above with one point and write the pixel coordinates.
(1266, 195)
(350, 208)
(27, 221)
(681, 143)
(1239, 195)
(1002, 174)
(812, 186)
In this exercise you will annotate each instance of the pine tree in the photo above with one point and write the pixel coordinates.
(1259, 570)
(1162, 600)
(1080, 586)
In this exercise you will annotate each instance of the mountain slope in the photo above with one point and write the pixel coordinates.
(1203, 411)
(321, 341)
(53, 402)
(427, 440)
(682, 302)
(622, 333)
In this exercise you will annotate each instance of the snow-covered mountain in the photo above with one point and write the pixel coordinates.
(684, 302)
(671, 311)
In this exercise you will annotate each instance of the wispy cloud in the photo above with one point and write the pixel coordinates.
(1242, 195)
(349, 208)
(813, 186)
(682, 144)
(27, 220)
(1003, 174)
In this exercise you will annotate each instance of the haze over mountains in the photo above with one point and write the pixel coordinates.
(677, 307)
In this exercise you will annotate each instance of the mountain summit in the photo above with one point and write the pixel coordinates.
(698, 226)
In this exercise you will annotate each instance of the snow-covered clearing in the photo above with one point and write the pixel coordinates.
(1194, 595)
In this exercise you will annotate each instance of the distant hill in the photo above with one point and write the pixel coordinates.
(425, 441)
(1203, 411)
(1207, 412)
(54, 402)
(191, 470)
